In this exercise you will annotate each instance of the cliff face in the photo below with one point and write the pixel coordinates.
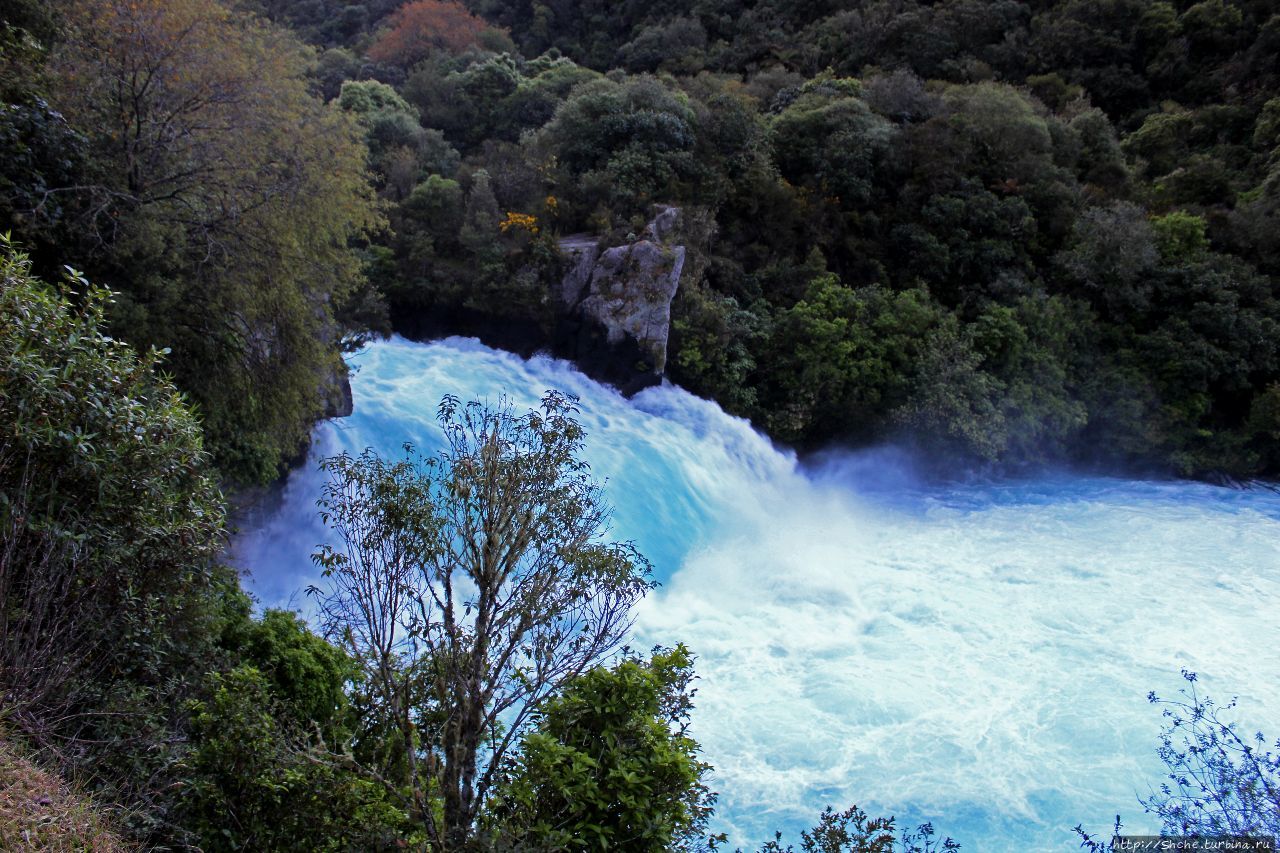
(616, 304)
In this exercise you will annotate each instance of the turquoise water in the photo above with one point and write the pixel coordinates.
(975, 655)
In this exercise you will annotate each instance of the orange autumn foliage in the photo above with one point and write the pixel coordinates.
(424, 26)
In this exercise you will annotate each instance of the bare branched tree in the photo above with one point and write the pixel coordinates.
(472, 584)
(1220, 781)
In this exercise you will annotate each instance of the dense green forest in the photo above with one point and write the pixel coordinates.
(1010, 233)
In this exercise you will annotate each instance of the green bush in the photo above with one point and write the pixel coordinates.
(609, 765)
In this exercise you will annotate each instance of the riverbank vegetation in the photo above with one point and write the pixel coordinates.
(174, 152)
(1011, 233)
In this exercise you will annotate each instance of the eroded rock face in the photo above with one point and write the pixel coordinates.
(336, 392)
(583, 254)
(630, 295)
(617, 303)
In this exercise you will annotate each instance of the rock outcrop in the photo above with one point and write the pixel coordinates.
(336, 392)
(616, 304)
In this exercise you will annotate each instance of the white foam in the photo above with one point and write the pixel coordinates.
(978, 656)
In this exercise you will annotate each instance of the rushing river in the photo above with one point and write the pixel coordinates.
(978, 656)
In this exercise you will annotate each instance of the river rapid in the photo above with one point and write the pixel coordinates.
(975, 655)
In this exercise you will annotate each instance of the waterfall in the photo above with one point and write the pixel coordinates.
(975, 655)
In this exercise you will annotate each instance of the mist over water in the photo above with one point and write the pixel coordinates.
(974, 655)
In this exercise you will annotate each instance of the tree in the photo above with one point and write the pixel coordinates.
(419, 28)
(255, 782)
(844, 358)
(610, 765)
(1220, 781)
(399, 146)
(953, 405)
(626, 143)
(1034, 353)
(828, 139)
(480, 219)
(678, 46)
(1112, 257)
(470, 586)
(221, 205)
(40, 148)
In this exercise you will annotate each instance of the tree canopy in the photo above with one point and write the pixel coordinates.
(220, 204)
(471, 586)
(609, 765)
(417, 29)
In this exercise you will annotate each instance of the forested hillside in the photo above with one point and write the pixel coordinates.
(1009, 231)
